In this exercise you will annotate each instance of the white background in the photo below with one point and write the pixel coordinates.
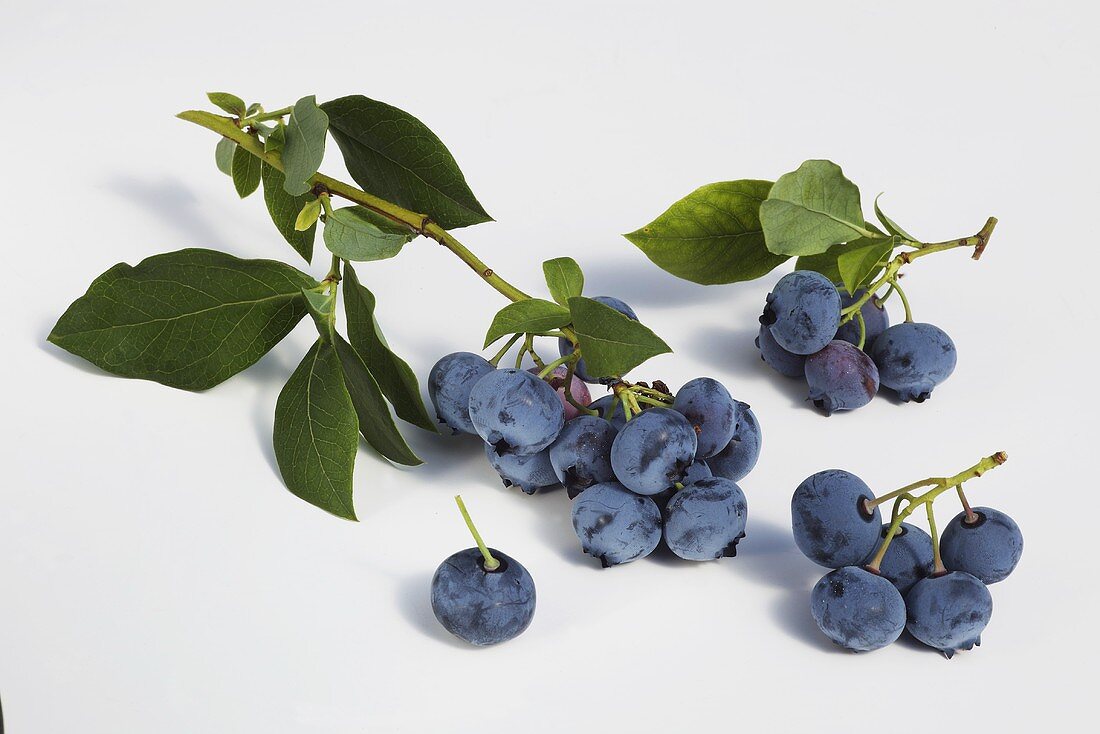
(155, 576)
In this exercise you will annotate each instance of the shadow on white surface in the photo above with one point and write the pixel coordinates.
(414, 602)
(641, 283)
(173, 202)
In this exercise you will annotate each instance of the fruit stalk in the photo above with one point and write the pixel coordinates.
(491, 564)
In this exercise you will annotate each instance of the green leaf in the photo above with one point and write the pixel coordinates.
(857, 263)
(253, 109)
(356, 233)
(531, 315)
(811, 209)
(246, 172)
(393, 155)
(396, 379)
(307, 217)
(375, 422)
(275, 140)
(322, 307)
(304, 148)
(890, 225)
(231, 103)
(564, 278)
(284, 210)
(612, 344)
(188, 319)
(224, 153)
(826, 262)
(317, 432)
(712, 235)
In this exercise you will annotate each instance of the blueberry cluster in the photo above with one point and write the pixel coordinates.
(640, 465)
(810, 330)
(895, 576)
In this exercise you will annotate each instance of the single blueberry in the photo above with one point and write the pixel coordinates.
(581, 454)
(802, 312)
(988, 548)
(738, 458)
(483, 607)
(529, 472)
(653, 450)
(449, 385)
(614, 524)
(710, 410)
(913, 358)
(908, 558)
(949, 611)
(831, 524)
(566, 347)
(779, 359)
(515, 412)
(857, 609)
(841, 377)
(706, 519)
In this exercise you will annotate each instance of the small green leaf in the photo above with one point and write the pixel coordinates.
(712, 235)
(231, 103)
(307, 217)
(322, 307)
(285, 209)
(317, 432)
(253, 109)
(375, 422)
(188, 319)
(224, 153)
(811, 209)
(531, 315)
(612, 344)
(246, 172)
(393, 155)
(856, 264)
(275, 140)
(356, 233)
(890, 225)
(396, 379)
(564, 278)
(304, 148)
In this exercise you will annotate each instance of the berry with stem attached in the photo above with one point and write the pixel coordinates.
(449, 385)
(581, 454)
(984, 542)
(515, 411)
(858, 610)
(615, 525)
(482, 595)
(653, 451)
(710, 410)
(909, 557)
(802, 312)
(913, 358)
(949, 611)
(706, 519)
(832, 522)
(841, 377)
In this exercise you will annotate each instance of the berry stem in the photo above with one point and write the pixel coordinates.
(937, 562)
(904, 301)
(971, 516)
(862, 330)
(507, 345)
(570, 358)
(491, 564)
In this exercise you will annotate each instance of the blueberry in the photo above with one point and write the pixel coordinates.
(581, 454)
(913, 358)
(948, 612)
(738, 458)
(618, 420)
(616, 525)
(779, 359)
(831, 525)
(706, 519)
(988, 548)
(483, 607)
(515, 412)
(908, 558)
(566, 347)
(653, 450)
(802, 312)
(449, 385)
(529, 472)
(857, 609)
(710, 410)
(841, 377)
(577, 389)
(875, 318)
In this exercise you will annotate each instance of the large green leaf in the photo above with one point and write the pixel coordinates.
(356, 233)
(531, 315)
(375, 422)
(246, 172)
(826, 262)
(396, 379)
(564, 278)
(712, 235)
(188, 319)
(857, 264)
(284, 209)
(393, 155)
(304, 146)
(612, 344)
(810, 209)
(317, 432)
